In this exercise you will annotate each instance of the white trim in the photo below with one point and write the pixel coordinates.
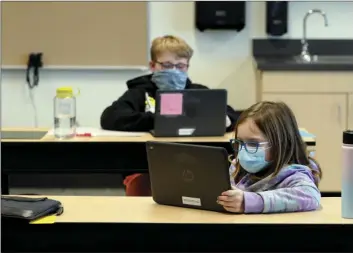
(63, 67)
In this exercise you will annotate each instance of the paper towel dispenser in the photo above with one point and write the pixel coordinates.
(277, 18)
(220, 15)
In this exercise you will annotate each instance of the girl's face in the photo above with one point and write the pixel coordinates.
(249, 132)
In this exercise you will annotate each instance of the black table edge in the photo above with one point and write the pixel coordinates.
(133, 237)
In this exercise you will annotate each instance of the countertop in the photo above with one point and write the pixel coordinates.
(288, 64)
(281, 54)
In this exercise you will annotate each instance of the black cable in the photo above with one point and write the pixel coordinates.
(34, 63)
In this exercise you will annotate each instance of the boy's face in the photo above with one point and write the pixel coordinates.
(169, 60)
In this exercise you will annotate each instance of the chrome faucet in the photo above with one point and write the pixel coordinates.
(305, 55)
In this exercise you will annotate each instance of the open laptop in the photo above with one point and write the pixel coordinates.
(185, 175)
(199, 112)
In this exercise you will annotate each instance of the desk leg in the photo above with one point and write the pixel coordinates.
(4, 184)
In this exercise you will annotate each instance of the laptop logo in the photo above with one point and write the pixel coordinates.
(188, 176)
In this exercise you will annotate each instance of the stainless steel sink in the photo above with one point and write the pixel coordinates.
(325, 59)
(25, 135)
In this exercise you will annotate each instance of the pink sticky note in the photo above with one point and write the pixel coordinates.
(171, 104)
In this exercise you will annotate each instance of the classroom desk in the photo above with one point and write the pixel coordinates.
(310, 141)
(116, 224)
(125, 155)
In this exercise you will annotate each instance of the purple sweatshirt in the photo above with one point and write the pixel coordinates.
(292, 190)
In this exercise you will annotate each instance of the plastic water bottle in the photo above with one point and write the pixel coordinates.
(347, 175)
(64, 113)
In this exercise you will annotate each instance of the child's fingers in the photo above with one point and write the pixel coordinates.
(227, 198)
(225, 204)
(233, 192)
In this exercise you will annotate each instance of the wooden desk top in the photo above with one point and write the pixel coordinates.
(144, 209)
(145, 137)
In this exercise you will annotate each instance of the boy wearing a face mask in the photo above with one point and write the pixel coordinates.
(134, 110)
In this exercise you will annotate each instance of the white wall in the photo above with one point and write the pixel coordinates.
(222, 59)
(339, 14)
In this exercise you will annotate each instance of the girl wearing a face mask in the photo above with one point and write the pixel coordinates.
(271, 171)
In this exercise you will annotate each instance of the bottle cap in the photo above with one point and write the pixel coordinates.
(348, 137)
(65, 92)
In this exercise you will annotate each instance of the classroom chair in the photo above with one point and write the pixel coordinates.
(138, 185)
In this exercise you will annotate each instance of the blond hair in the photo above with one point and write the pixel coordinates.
(277, 122)
(172, 44)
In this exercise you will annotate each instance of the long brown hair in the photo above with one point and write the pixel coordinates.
(277, 122)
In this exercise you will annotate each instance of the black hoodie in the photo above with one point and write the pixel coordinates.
(128, 112)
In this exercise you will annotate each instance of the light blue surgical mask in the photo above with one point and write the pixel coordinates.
(170, 79)
(253, 163)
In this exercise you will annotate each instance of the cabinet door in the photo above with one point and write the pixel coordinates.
(350, 111)
(324, 115)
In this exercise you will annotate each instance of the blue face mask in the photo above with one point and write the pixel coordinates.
(253, 163)
(170, 79)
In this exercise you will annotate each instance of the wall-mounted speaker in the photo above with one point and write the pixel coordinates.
(276, 18)
(220, 15)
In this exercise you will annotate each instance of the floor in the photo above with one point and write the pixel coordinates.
(74, 185)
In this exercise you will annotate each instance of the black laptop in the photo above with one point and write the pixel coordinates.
(188, 175)
(191, 112)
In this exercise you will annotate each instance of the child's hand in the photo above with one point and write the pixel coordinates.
(232, 200)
